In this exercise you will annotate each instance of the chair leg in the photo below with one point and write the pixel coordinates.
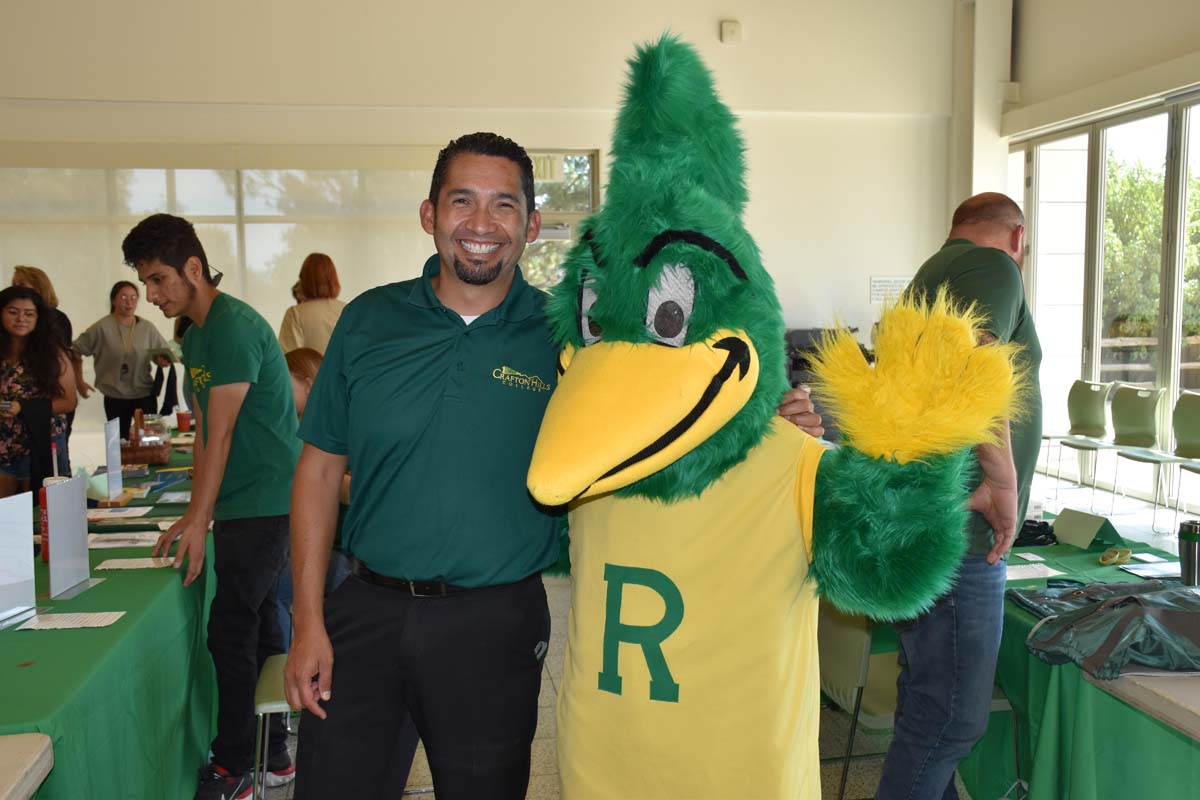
(258, 778)
(850, 742)
(1095, 469)
(1112, 507)
(1058, 476)
(1158, 481)
(1178, 495)
(1016, 745)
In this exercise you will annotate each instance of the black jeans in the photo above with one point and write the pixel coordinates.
(123, 410)
(243, 630)
(467, 667)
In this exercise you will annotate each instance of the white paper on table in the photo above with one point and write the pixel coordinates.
(100, 541)
(1024, 572)
(66, 509)
(1029, 556)
(1149, 558)
(176, 497)
(135, 563)
(62, 622)
(17, 594)
(165, 523)
(125, 512)
(112, 457)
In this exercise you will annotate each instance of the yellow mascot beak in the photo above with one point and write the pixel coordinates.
(623, 411)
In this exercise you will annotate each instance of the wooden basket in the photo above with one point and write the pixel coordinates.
(155, 454)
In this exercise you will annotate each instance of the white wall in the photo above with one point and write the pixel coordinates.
(808, 55)
(845, 105)
(1066, 45)
(1078, 57)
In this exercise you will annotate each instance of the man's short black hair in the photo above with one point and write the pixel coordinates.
(484, 144)
(166, 238)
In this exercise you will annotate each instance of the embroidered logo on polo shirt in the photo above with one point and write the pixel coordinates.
(200, 378)
(519, 380)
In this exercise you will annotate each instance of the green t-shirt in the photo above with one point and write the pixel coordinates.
(991, 280)
(236, 345)
(438, 420)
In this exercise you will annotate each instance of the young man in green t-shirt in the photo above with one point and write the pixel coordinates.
(245, 453)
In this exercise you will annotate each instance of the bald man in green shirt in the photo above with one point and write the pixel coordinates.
(948, 655)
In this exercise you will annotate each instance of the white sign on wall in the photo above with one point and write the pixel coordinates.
(887, 289)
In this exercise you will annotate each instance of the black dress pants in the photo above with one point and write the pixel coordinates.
(122, 410)
(466, 666)
(243, 630)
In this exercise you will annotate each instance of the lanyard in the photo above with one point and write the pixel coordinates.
(126, 340)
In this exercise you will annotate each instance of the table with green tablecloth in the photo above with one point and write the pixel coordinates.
(1075, 740)
(130, 708)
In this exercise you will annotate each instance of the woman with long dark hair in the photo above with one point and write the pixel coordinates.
(120, 342)
(37, 390)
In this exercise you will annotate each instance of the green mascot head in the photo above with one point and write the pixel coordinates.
(672, 361)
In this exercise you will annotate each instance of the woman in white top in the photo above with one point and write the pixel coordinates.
(121, 342)
(310, 322)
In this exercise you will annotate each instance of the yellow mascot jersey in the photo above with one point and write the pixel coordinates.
(692, 665)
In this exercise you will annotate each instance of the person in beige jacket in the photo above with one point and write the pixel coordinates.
(310, 322)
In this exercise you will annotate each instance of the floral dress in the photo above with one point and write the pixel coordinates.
(15, 384)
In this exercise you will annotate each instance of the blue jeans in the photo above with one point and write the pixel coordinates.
(339, 570)
(21, 468)
(947, 669)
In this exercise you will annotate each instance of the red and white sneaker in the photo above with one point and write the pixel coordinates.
(217, 783)
(280, 771)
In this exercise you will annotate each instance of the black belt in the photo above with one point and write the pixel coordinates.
(419, 588)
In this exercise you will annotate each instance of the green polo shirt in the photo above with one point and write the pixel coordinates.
(438, 420)
(992, 280)
(236, 345)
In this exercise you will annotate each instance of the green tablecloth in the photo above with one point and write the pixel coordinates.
(1076, 740)
(130, 708)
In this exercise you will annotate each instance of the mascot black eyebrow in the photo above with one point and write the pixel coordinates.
(703, 527)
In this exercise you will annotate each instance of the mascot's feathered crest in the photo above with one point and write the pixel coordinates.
(666, 292)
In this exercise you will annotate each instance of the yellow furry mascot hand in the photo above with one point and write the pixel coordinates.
(889, 513)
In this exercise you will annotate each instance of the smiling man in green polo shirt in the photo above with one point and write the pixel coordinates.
(431, 392)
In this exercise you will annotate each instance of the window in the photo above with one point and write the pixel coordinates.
(1060, 236)
(1115, 262)
(1189, 272)
(257, 225)
(71, 223)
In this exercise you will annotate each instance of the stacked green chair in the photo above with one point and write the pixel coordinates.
(1135, 437)
(1186, 422)
(1089, 424)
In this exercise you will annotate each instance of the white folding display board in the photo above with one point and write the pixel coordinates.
(112, 457)
(66, 514)
(16, 557)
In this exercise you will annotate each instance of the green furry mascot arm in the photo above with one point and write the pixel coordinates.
(889, 514)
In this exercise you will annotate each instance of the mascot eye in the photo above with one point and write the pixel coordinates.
(670, 305)
(588, 327)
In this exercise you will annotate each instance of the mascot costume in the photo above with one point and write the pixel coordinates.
(703, 528)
